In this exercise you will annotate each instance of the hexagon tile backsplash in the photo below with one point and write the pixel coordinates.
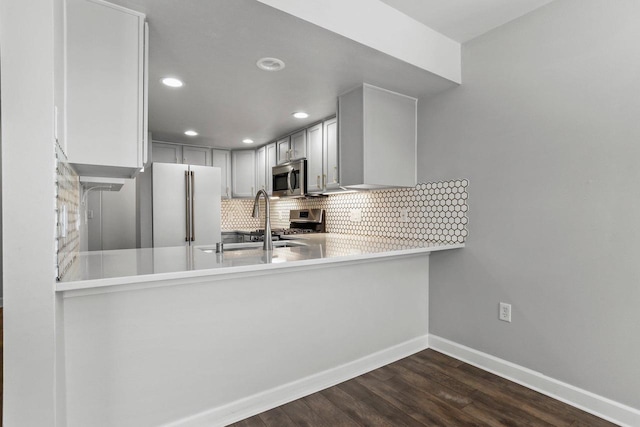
(433, 211)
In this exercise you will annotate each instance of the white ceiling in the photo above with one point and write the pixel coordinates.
(463, 20)
(213, 45)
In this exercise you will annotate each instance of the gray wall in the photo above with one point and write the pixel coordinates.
(546, 126)
(113, 225)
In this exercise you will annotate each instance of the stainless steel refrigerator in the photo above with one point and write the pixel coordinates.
(186, 204)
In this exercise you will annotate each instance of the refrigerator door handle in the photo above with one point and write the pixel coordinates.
(193, 220)
(186, 205)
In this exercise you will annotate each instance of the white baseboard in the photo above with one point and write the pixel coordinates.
(589, 402)
(275, 397)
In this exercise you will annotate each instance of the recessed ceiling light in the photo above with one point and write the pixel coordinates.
(191, 133)
(172, 82)
(247, 141)
(270, 64)
(300, 115)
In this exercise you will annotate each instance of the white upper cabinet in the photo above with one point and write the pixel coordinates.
(377, 136)
(298, 149)
(166, 153)
(106, 112)
(200, 156)
(282, 148)
(271, 161)
(261, 168)
(243, 173)
(292, 147)
(322, 157)
(331, 154)
(315, 168)
(222, 159)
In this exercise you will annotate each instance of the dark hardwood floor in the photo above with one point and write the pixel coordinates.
(426, 389)
(1, 361)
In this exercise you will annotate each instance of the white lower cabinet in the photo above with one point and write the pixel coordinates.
(222, 159)
(243, 173)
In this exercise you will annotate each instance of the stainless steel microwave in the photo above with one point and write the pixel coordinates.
(290, 179)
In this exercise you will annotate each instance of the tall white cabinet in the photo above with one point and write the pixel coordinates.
(106, 108)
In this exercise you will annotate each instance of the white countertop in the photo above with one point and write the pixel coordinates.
(128, 266)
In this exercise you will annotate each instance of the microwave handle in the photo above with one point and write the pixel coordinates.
(289, 181)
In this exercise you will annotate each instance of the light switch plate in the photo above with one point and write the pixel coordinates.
(355, 215)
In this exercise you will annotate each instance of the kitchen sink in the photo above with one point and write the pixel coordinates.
(253, 245)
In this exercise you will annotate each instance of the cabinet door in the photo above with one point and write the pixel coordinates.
(315, 159)
(271, 161)
(105, 96)
(243, 173)
(261, 168)
(200, 156)
(282, 147)
(222, 159)
(331, 165)
(298, 145)
(166, 153)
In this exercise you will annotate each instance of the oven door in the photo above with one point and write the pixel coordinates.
(289, 179)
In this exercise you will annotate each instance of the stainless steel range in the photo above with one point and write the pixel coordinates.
(306, 221)
(301, 221)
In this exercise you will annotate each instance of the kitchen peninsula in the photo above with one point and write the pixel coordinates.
(192, 337)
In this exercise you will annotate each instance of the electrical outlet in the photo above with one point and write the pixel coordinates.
(355, 215)
(505, 312)
(280, 215)
(404, 215)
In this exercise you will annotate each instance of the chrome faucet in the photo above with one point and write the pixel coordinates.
(268, 243)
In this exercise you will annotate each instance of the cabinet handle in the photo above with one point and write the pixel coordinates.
(335, 174)
(227, 191)
(324, 180)
(318, 181)
(252, 192)
(193, 219)
(186, 204)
